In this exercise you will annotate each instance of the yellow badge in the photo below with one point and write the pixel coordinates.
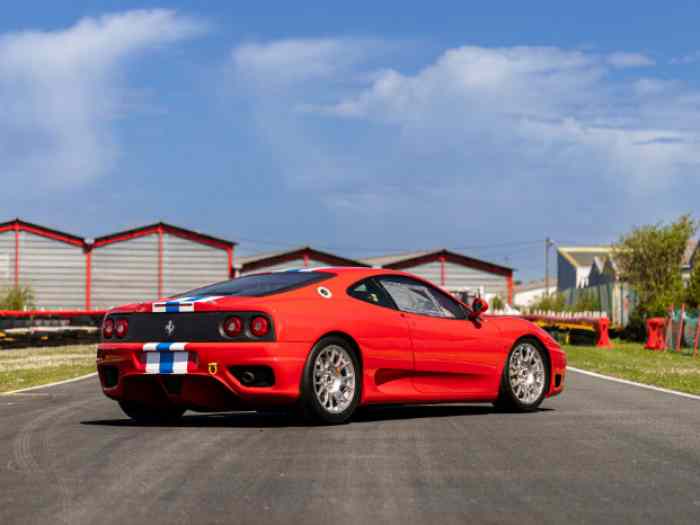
(213, 368)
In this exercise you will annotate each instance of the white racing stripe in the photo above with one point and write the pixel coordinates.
(633, 383)
(180, 363)
(183, 304)
(163, 347)
(166, 362)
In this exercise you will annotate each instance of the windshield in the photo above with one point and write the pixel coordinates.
(262, 284)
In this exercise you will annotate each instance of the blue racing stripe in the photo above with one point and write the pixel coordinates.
(166, 363)
(163, 347)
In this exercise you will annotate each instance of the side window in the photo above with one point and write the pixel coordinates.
(370, 292)
(416, 297)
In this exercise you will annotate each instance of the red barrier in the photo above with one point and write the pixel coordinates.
(656, 334)
(601, 325)
(51, 313)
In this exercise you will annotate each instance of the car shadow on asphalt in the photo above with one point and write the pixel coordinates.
(280, 419)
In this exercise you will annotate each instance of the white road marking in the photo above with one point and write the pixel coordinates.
(633, 383)
(50, 384)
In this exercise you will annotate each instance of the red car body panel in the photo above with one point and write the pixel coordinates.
(405, 357)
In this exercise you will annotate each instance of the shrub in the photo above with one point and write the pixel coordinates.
(17, 298)
(587, 301)
(554, 302)
(497, 303)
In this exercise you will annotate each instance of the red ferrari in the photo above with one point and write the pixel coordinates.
(325, 340)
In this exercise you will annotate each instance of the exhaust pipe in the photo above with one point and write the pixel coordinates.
(248, 377)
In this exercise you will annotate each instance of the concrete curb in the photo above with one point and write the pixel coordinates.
(633, 383)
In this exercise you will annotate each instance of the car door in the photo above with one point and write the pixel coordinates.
(382, 332)
(452, 355)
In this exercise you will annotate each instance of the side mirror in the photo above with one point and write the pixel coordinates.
(479, 306)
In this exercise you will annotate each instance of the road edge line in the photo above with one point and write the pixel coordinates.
(634, 383)
(37, 387)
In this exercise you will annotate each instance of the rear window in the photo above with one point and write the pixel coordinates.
(262, 284)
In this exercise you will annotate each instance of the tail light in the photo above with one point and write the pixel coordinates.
(259, 326)
(233, 326)
(121, 328)
(108, 328)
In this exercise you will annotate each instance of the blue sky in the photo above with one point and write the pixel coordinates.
(363, 128)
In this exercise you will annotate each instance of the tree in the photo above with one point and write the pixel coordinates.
(692, 292)
(649, 259)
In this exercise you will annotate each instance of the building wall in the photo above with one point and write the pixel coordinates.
(188, 264)
(7, 259)
(54, 270)
(566, 274)
(461, 277)
(528, 297)
(596, 278)
(125, 272)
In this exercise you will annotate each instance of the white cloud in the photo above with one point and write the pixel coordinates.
(298, 60)
(60, 90)
(690, 58)
(622, 60)
(518, 127)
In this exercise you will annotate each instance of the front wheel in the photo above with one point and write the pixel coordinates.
(151, 415)
(332, 382)
(525, 378)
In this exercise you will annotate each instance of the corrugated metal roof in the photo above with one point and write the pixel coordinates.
(383, 260)
(42, 230)
(583, 256)
(259, 259)
(169, 228)
(244, 259)
(394, 259)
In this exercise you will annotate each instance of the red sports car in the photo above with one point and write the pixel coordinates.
(325, 340)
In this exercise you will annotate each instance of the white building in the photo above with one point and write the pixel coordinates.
(529, 293)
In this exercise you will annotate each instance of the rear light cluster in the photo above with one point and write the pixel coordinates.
(234, 326)
(112, 328)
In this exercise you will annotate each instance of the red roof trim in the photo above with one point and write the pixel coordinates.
(19, 224)
(454, 258)
(327, 258)
(165, 228)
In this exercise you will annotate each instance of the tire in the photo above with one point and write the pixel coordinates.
(331, 383)
(150, 415)
(525, 379)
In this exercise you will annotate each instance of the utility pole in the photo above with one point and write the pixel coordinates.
(547, 243)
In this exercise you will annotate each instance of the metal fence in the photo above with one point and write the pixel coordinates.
(617, 300)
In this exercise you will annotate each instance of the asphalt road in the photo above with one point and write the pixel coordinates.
(601, 453)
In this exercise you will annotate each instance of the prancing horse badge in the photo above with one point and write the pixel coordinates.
(213, 368)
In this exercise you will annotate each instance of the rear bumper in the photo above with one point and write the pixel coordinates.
(209, 383)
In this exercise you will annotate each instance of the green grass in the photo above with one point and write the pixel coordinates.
(37, 366)
(631, 361)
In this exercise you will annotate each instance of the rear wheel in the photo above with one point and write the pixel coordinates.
(525, 378)
(332, 382)
(147, 414)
